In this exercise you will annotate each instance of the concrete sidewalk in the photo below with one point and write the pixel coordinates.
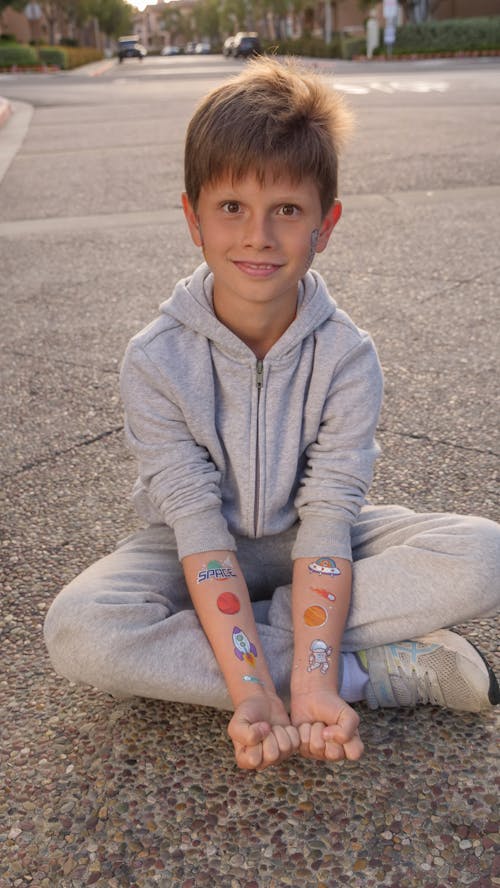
(138, 794)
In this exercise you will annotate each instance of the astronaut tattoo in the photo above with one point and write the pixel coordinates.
(319, 656)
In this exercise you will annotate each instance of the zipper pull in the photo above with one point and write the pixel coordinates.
(260, 373)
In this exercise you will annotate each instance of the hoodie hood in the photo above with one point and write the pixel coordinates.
(191, 304)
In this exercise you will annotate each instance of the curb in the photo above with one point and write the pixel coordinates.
(5, 110)
(93, 69)
(12, 136)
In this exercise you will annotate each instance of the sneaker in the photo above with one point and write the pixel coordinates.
(442, 669)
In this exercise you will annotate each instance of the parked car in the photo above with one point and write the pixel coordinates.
(246, 45)
(203, 48)
(227, 49)
(130, 48)
(190, 48)
(171, 51)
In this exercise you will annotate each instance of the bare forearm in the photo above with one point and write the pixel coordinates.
(321, 595)
(222, 603)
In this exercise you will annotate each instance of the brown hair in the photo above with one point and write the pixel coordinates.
(274, 118)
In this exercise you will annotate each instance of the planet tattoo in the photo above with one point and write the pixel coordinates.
(315, 615)
(228, 603)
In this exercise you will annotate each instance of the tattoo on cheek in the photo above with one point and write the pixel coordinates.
(312, 248)
(319, 656)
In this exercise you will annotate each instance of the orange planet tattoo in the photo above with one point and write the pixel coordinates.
(315, 615)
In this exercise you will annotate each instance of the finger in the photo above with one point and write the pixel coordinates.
(334, 752)
(346, 727)
(293, 734)
(246, 734)
(354, 748)
(317, 742)
(270, 752)
(305, 737)
(248, 758)
(285, 737)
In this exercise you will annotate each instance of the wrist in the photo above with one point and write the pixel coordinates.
(257, 688)
(304, 680)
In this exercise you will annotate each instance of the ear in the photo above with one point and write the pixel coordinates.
(328, 224)
(192, 221)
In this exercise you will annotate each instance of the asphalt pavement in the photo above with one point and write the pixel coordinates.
(140, 793)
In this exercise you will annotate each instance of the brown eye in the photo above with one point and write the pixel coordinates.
(232, 206)
(288, 210)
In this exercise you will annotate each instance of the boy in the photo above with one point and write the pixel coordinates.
(251, 404)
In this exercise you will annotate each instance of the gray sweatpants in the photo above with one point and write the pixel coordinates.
(126, 624)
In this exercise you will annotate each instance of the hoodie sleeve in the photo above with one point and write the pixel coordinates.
(181, 480)
(339, 466)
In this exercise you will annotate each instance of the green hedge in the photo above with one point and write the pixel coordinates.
(17, 54)
(53, 56)
(341, 47)
(453, 35)
(65, 57)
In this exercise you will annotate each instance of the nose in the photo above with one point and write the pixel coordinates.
(258, 232)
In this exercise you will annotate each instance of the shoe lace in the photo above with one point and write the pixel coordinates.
(419, 686)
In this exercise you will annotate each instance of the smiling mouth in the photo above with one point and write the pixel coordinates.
(257, 268)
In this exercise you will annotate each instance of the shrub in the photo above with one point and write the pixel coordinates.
(17, 54)
(53, 55)
(81, 55)
(341, 47)
(353, 46)
(7, 38)
(453, 35)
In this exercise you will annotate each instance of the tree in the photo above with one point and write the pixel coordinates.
(232, 16)
(177, 24)
(207, 18)
(114, 16)
(15, 4)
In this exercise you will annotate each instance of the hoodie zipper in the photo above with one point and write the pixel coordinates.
(259, 372)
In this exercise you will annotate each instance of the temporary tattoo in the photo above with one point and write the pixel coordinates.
(244, 649)
(324, 593)
(228, 603)
(254, 679)
(325, 566)
(319, 654)
(315, 615)
(216, 571)
(312, 248)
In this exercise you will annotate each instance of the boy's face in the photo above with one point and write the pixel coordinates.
(259, 239)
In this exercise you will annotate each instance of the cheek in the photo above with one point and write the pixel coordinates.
(313, 242)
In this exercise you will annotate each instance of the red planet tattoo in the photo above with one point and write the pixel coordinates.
(228, 603)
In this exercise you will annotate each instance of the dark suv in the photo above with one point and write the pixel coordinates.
(130, 48)
(246, 45)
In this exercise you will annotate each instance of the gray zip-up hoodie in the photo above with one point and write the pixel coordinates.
(230, 444)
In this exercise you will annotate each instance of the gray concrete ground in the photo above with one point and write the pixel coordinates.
(107, 793)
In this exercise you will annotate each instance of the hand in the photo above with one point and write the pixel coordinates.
(328, 727)
(261, 733)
